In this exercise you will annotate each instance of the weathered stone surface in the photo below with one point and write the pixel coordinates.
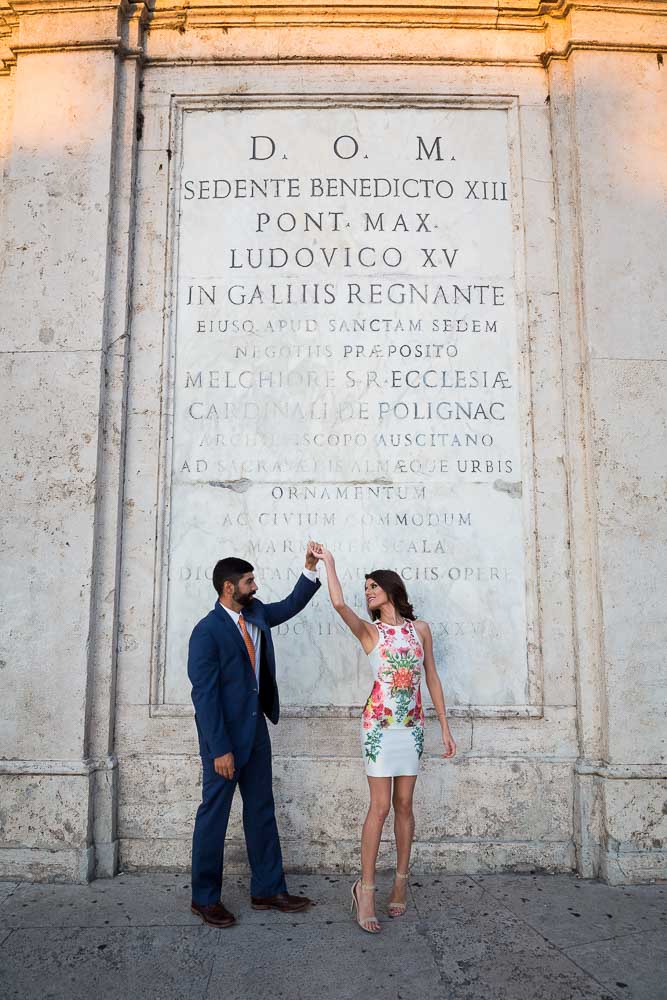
(89, 134)
(401, 952)
(113, 961)
(502, 800)
(622, 360)
(56, 205)
(552, 736)
(633, 546)
(324, 316)
(458, 938)
(120, 902)
(628, 966)
(48, 512)
(637, 814)
(46, 812)
(462, 823)
(6, 890)
(481, 952)
(452, 801)
(56, 864)
(569, 912)
(342, 856)
(622, 184)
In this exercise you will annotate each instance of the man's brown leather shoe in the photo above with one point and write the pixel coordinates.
(283, 902)
(216, 915)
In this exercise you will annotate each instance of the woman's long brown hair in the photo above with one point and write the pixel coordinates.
(395, 590)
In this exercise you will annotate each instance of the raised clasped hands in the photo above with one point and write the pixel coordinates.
(315, 552)
(312, 555)
(321, 552)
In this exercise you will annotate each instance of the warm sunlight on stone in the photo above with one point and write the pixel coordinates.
(389, 276)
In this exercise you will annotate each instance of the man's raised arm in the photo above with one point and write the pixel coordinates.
(304, 590)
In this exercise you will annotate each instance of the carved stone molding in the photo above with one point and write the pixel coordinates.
(66, 768)
(459, 13)
(564, 26)
(72, 25)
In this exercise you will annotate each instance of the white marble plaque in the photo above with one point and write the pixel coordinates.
(346, 367)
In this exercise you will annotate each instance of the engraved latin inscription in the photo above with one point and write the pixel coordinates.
(347, 368)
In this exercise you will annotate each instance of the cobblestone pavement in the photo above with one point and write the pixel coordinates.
(490, 937)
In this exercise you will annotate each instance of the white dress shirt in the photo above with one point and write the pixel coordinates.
(254, 632)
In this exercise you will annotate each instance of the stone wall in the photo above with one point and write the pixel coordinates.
(552, 663)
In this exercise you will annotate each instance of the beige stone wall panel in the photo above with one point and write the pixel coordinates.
(57, 202)
(174, 855)
(592, 164)
(636, 815)
(581, 541)
(57, 864)
(324, 800)
(632, 501)
(296, 740)
(623, 183)
(621, 128)
(554, 736)
(44, 812)
(48, 511)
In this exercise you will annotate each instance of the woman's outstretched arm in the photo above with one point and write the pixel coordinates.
(363, 630)
(435, 687)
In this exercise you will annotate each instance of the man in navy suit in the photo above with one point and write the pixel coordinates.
(232, 669)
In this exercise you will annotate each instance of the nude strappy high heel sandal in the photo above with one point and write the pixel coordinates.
(398, 909)
(367, 922)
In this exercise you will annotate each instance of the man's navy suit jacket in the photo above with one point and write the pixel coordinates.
(224, 685)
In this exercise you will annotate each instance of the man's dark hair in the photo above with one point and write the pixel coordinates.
(231, 569)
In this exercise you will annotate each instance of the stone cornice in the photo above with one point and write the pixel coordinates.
(591, 46)
(67, 25)
(166, 13)
(8, 28)
(460, 13)
(566, 26)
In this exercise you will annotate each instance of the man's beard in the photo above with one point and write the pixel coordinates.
(243, 599)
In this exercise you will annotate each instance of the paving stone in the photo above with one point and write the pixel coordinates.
(568, 910)
(463, 938)
(635, 965)
(6, 890)
(435, 896)
(165, 963)
(654, 895)
(128, 900)
(485, 952)
(337, 962)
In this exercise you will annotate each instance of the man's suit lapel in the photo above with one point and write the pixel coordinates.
(253, 617)
(231, 629)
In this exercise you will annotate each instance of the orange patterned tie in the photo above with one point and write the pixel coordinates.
(248, 641)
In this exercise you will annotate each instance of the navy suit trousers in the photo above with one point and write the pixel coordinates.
(259, 825)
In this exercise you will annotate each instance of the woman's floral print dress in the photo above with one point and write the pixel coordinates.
(392, 724)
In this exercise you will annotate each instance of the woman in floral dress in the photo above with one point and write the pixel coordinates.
(399, 650)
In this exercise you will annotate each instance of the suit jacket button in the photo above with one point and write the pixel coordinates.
(254, 713)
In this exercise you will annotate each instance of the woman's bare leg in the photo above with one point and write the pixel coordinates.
(404, 831)
(378, 810)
